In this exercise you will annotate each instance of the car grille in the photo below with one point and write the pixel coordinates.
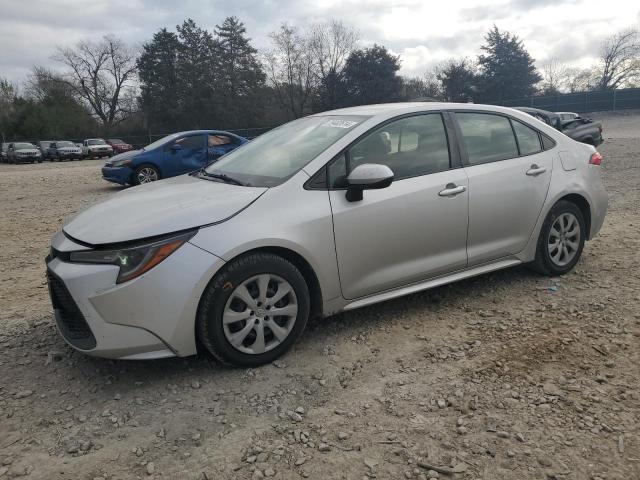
(70, 319)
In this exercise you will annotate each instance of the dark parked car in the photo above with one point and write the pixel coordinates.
(65, 150)
(170, 156)
(23, 152)
(119, 146)
(45, 148)
(580, 129)
(3, 153)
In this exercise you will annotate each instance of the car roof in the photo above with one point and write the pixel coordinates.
(388, 109)
(191, 132)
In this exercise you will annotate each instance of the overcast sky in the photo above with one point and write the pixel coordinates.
(423, 32)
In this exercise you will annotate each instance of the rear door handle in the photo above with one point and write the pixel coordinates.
(451, 189)
(535, 170)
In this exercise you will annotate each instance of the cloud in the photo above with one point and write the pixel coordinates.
(423, 33)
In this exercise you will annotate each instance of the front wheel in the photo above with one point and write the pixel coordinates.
(561, 240)
(254, 310)
(145, 174)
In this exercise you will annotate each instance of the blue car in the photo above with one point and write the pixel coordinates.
(172, 155)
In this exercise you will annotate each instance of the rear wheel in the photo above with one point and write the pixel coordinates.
(561, 240)
(254, 310)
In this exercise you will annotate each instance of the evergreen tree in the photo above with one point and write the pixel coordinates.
(239, 77)
(506, 68)
(157, 70)
(371, 76)
(458, 81)
(196, 70)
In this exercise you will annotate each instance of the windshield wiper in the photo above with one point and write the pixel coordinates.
(221, 176)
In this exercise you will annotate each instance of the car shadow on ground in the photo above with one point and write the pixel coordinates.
(123, 375)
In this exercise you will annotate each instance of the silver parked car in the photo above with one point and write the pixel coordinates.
(327, 213)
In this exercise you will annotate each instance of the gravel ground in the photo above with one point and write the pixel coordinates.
(506, 376)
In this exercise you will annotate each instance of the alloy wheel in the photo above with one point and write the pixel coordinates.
(564, 239)
(147, 175)
(260, 314)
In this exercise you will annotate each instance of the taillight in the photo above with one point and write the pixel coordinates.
(596, 158)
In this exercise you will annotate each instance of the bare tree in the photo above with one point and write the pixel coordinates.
(554, 76)
(619, 59)
(102, 75)
(581, 79)
(331, 43)
(425, 87)
(290, 68)
(43, 83)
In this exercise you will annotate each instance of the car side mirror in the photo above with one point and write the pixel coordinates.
(368, 176)
(176, 147)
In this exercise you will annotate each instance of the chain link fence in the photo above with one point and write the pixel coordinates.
(610, 100)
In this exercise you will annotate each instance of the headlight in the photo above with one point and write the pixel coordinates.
(121, 163)
(135, 260)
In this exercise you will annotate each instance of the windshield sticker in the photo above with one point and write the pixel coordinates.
(339, 123)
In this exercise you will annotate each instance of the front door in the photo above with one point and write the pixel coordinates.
(509, 175)
(412, 230)
(185, 155)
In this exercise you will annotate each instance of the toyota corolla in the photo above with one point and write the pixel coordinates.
(327, 213)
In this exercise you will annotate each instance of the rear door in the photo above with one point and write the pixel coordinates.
(219, 144)
(509, 174)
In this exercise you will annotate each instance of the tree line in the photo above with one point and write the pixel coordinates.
(193, 78)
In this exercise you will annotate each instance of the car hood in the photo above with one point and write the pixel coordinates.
(123, 156)
(159, 208)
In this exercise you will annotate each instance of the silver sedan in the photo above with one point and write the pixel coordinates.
(327, 213)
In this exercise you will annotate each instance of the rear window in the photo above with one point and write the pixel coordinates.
(528, 139)
(487, 137)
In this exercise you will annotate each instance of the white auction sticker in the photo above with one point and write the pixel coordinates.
(339, 123)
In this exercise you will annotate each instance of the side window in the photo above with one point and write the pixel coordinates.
(217, 140)
(193, 142)
(547, 142)
(528, 138)
(488, 137)
(410, 147)
(337, 172)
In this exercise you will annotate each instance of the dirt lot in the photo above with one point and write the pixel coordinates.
(506, 376)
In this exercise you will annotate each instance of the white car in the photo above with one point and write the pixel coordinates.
(327, 213)
(567, 116)
(96, 147)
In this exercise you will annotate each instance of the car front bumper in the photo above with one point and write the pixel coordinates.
(151, 316)
(121, 175)
(66, 155)
(100, 153)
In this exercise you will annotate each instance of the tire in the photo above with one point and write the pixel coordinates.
(220, 298)
(148, 171)
(551, 261)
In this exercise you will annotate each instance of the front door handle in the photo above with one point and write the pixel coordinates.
(451, 189)
(535, 170)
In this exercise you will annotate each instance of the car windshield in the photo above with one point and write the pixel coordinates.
(23, 146)
(160, 142)
(65, 144)
(278, 154)
(96, 141)
(116, 140)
